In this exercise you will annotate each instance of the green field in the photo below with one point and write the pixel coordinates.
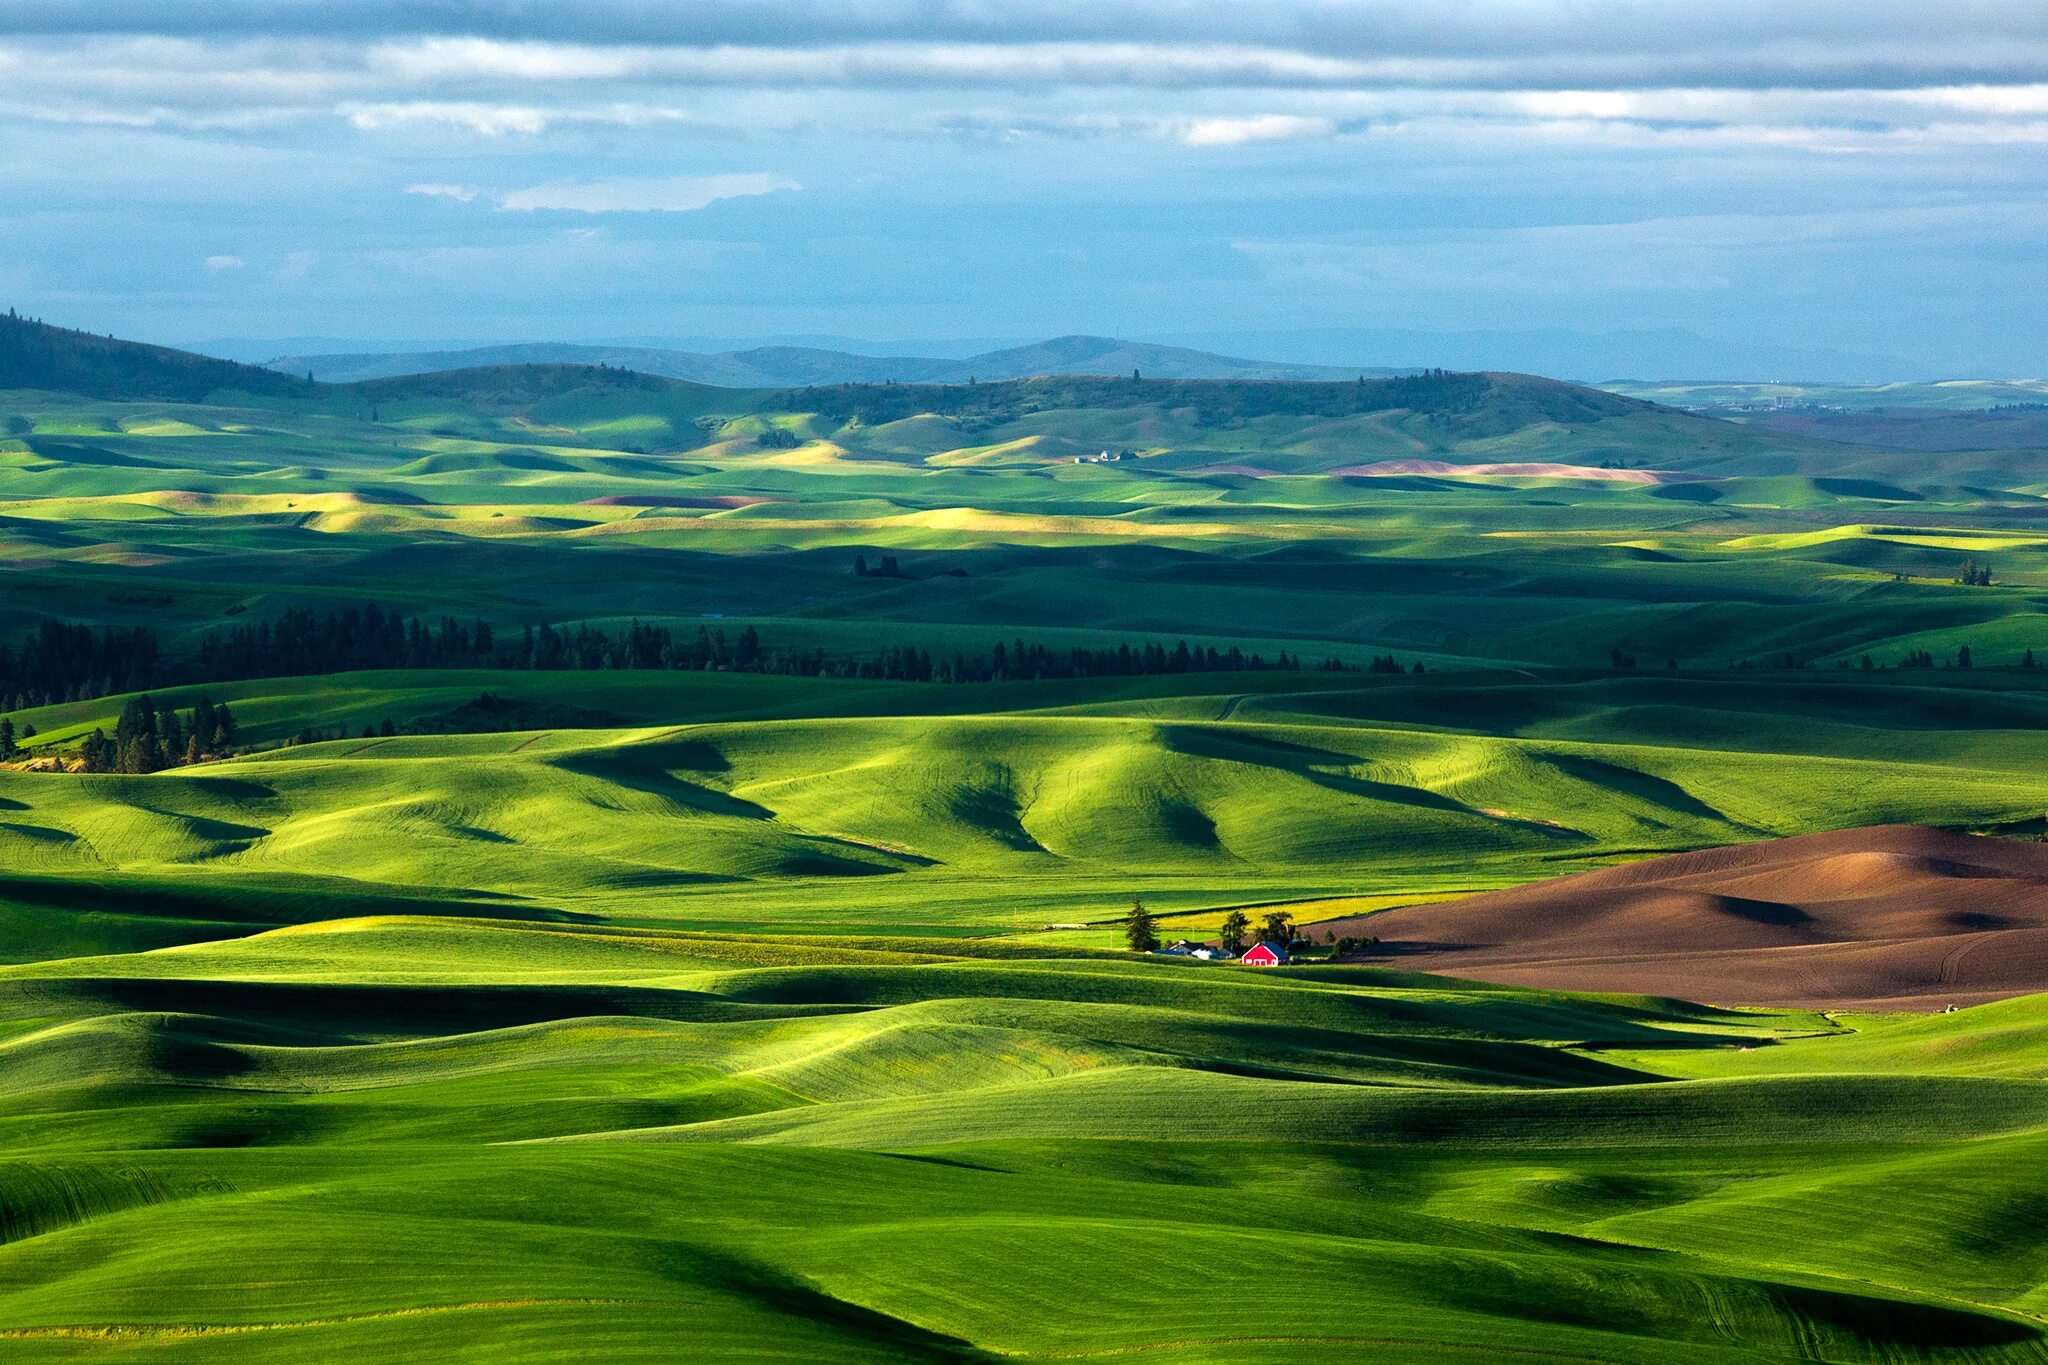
(725, 1015)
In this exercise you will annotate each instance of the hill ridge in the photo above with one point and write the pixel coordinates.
(789, 366)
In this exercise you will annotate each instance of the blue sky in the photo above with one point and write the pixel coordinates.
(1867, 178)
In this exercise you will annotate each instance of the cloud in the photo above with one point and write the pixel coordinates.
(491, 120)
(460, 193)
(1983, 35)
(225, 263)
(659, 194)
(1234, 132)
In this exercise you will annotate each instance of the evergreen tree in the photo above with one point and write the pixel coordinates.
(138, 718)
(1141, 930)
(8, 748)
(96, 752)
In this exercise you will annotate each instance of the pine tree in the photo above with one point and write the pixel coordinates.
(8, 748)
(96, 752)
(1141, 930)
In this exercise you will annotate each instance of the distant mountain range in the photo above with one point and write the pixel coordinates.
(791, 367)
(1587, 357)
(1636, 355)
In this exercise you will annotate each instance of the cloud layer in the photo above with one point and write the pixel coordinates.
(973, 167)
(646, 194)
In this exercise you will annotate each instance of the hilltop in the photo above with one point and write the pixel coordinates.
(35, 355)
(1890, 917)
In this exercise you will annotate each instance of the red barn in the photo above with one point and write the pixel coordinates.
(1264, 955)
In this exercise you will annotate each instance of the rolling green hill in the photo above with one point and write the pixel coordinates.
(34, 355)
(665, 1011)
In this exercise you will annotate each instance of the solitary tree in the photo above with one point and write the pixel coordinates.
(1235, 927)
(7, 745)
(1141, 931)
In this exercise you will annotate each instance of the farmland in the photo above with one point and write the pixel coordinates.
(754, 1013)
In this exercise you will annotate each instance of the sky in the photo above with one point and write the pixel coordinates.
(1835, 180)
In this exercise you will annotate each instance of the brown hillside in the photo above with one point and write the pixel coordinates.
(1889, 917)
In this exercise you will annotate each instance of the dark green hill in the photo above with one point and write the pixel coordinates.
(35, 355)
(1290, 426)
(1209, 401)
(501, 388)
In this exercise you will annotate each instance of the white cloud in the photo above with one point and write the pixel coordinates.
(225, 263)
(491, 120)
(657, 194)
(1234, 132)
(460, 193)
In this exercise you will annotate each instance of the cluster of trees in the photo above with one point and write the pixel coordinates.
(1381, 663)
(888, 568)
(1141, 929)
(1022, 661)
(62, 662)
(1275, 926)
(1921, 658)
(10, 742)
(1211, 402)
(1347, 945)
(149, 739)
(1974, 574)
(307, 641)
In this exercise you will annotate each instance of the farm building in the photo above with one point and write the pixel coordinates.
(1264, 955)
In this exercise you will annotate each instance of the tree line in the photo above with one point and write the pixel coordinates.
(148, 738)
(64, 662)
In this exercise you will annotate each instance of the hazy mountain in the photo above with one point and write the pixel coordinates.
(776, 367)
(1589, 357)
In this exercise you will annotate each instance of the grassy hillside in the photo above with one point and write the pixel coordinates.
(889, 1147)
(35, 355)
(659, 1012)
